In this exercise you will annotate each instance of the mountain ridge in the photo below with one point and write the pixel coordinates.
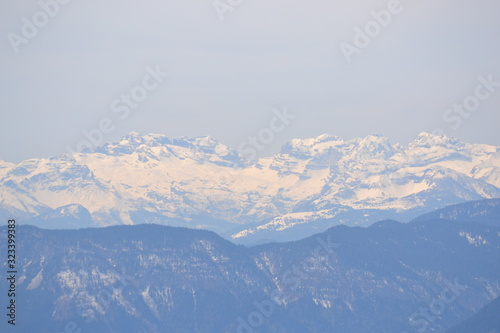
(201, 182)
(153, 278)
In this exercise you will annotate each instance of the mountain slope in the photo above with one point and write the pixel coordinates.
(151, 278)
(486, 320)
(483, 211)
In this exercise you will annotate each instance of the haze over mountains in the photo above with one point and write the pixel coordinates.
(422, 276)
(198, 182)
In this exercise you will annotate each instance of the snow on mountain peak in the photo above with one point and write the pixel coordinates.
(153, 177)
(307, 148)
(73, 210)
(327, 138)
(376, 144)
(158, 146)
(429, 140)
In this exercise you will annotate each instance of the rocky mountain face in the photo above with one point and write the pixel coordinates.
(198, 182)
(422, 276)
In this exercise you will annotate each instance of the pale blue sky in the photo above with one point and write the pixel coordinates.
(227, 76)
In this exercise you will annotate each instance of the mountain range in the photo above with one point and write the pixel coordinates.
(416, 277)
(310, 185)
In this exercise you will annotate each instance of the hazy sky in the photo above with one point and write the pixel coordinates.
(226, 77)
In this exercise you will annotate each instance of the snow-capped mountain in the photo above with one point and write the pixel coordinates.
(198, 182)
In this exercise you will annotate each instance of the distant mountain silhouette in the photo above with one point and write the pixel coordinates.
(483, 211)
(150, 278)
